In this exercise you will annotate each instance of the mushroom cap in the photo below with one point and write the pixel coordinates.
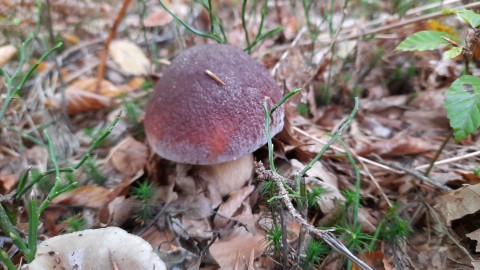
(96, 249)
(197, 119)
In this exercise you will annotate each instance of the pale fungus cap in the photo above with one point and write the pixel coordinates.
(99, 249)
(208, 106)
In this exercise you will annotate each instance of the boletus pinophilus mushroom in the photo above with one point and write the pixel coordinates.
(208, 106)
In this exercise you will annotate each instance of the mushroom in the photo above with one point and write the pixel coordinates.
(207, 107)
(106, 248)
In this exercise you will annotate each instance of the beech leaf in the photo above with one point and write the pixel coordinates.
(425, 40)
(463, 106)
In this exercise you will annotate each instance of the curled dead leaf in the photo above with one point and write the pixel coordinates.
(239, 243)
(6, 53)
(89, 84)
(398, 146)
(79, 101)
(227, 210)
(157, 17)
(129, 57)
(129, 157)
(87, 196)
(475, 235)
(459, 203)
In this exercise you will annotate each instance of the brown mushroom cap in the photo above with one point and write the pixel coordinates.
(195, 118)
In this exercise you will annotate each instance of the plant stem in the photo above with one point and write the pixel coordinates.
(335, 136)
(21, 192)
(10, 93)
(437, 154)
(6, 260)
(269, 138)
(33, 217)
(244, 23)
(9, 230)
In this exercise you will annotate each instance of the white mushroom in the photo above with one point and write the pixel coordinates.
(102, 249)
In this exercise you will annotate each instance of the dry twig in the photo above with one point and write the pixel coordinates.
(325, 235)
(111, 36)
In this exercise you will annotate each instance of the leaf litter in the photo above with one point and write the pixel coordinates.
(219, 218)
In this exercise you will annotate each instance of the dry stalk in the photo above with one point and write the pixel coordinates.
(111, 36)
(325, 235)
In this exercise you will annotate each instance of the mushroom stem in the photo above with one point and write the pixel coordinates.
(228, 176)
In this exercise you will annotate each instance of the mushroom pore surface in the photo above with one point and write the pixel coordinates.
(194, 118)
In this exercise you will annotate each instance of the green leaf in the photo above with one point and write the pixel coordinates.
(463, 106)
(425, 40)
(466, 15)
(452, 53)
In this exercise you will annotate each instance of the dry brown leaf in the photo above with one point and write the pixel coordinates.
(197, 228)
(116, 212)
(157, 17)
(476, 265)
(400, 145)
(87, 196)
(475, 235)
(459, 203)
(80, 101)
(239, 243)
(130, 156)
(136, 82)
(164, 240)
(129, 57)
(71, 38)
(6, 53)
(89, 84)
(318, 171)
(7, 182)
(227, 210)
(81, 96)
(332, 195)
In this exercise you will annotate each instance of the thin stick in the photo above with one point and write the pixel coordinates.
(437, 154)
(214, 77)
(325, 235)
(335, 136)
(111, 36)
(405, 22)
(366, 160)
(421, 176)
(285, 54)
(450, 160)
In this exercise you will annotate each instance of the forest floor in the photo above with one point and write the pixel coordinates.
(376, 187)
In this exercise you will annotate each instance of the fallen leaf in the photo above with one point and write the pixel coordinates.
(226, 210)
(89, 84)
(475, 235)
(79, 101)
(71, 38)
(400, 145)
(239, 243)
(197, 228)
(130, 156)
(116, 212)
(157, 17)
(8, 182)
(129, 57)
(6, 53)
(86, 196)
(136, 82)
(164, 240)
(476, 265)
(459, 203)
